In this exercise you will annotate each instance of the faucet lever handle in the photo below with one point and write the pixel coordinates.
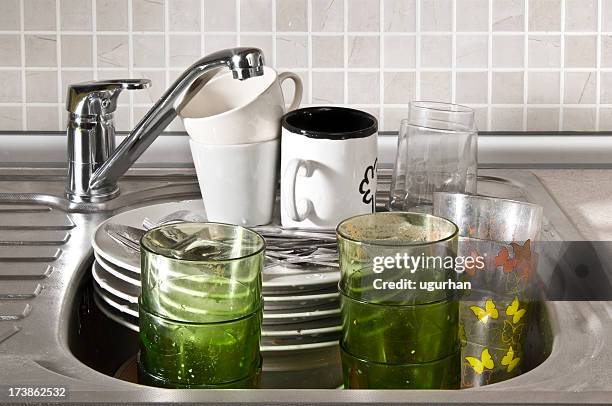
(99, 97)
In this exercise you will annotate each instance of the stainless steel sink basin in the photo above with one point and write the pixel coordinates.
(52, 334)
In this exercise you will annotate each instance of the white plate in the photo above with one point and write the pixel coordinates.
(300, 301)
(114, 315)
(124, 274)
(116, 302)
(299, 347)
(288, 318)
(283, 279)
(118, 254)
(114, 285)
(314, 327)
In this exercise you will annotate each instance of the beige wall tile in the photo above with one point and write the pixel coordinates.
(436, 51)
(508, 51)
(184, 50)
(184, 15)
(436, 86)
(10, 86)
(581, 15)
(327, 87)
(10, 15)
(41, 87)
(39, 15)
(113, 51)
(263, 42)
(153, 93)
(400, 51)
(41, 50)
(42, 118)
(472, 15)
(292, 15)
(544, 15)
(10, 50)
(112, 15)
(544, 51)
(606, 87)
(292, 51)
(148, 51)
(219, 15)
(507, 87)
(472, 87)
(579, 119)
(328, 52)
(256, 15)
(581, 51)
(543, 87)
(580, 87)
(542, 118)
(399, 88)
(77, 51)
(508, 15)
(327, 15)
(363, 52)
(606, 51)
(363, 87)
(400, 15)
(10, 118)
(436, 15)
(472, 51)
(363, 15)
(606, 15)
(506, 119)
(148, 15)
(217, 42)
(75, 15)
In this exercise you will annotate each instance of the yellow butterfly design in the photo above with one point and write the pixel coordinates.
(490, 311)
(509, 360)
(479, 365)
(514, 311)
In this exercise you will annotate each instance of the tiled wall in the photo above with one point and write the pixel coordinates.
(523, 64)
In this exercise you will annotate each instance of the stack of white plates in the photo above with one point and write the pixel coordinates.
(301, 318)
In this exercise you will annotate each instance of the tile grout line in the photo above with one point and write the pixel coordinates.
(381, 62)
(525, 64)
(454, 51)
(94, 38)
(202, 30)
(417, 46)
(562, 69)
(345, 49)
(24, 120)
(490, 67)
(131, 60)
(238, 22)
(274, 36)
(58, 59)
(598, 68)
(309, 45)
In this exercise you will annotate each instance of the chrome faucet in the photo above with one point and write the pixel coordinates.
(94, 165)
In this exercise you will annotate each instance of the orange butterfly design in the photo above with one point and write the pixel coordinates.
(522, 256)
(503, 259)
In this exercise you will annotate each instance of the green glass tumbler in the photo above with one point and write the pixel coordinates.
(400, 310)
(201, 272)
(360, 373)
(200, 310)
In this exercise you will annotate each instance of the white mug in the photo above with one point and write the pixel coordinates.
(328, 166)
(238, 181)
(230, 111)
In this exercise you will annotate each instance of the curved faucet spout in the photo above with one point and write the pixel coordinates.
(243, 62)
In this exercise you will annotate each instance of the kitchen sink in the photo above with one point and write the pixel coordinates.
(52, 333)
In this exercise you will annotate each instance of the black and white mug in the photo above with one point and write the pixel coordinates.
(328, 166)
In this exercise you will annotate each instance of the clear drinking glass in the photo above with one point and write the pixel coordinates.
(436, 151)
(495, 314)
(200, 310)
(397, 334)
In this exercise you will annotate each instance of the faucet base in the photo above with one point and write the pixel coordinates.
(96, 196)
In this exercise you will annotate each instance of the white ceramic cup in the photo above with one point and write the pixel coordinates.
(230, 111)
(328, 166)
(238, 181)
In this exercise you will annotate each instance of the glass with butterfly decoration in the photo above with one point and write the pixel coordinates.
(495, 313)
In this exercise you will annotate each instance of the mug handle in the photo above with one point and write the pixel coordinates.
(299, 88)
(288, 181)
